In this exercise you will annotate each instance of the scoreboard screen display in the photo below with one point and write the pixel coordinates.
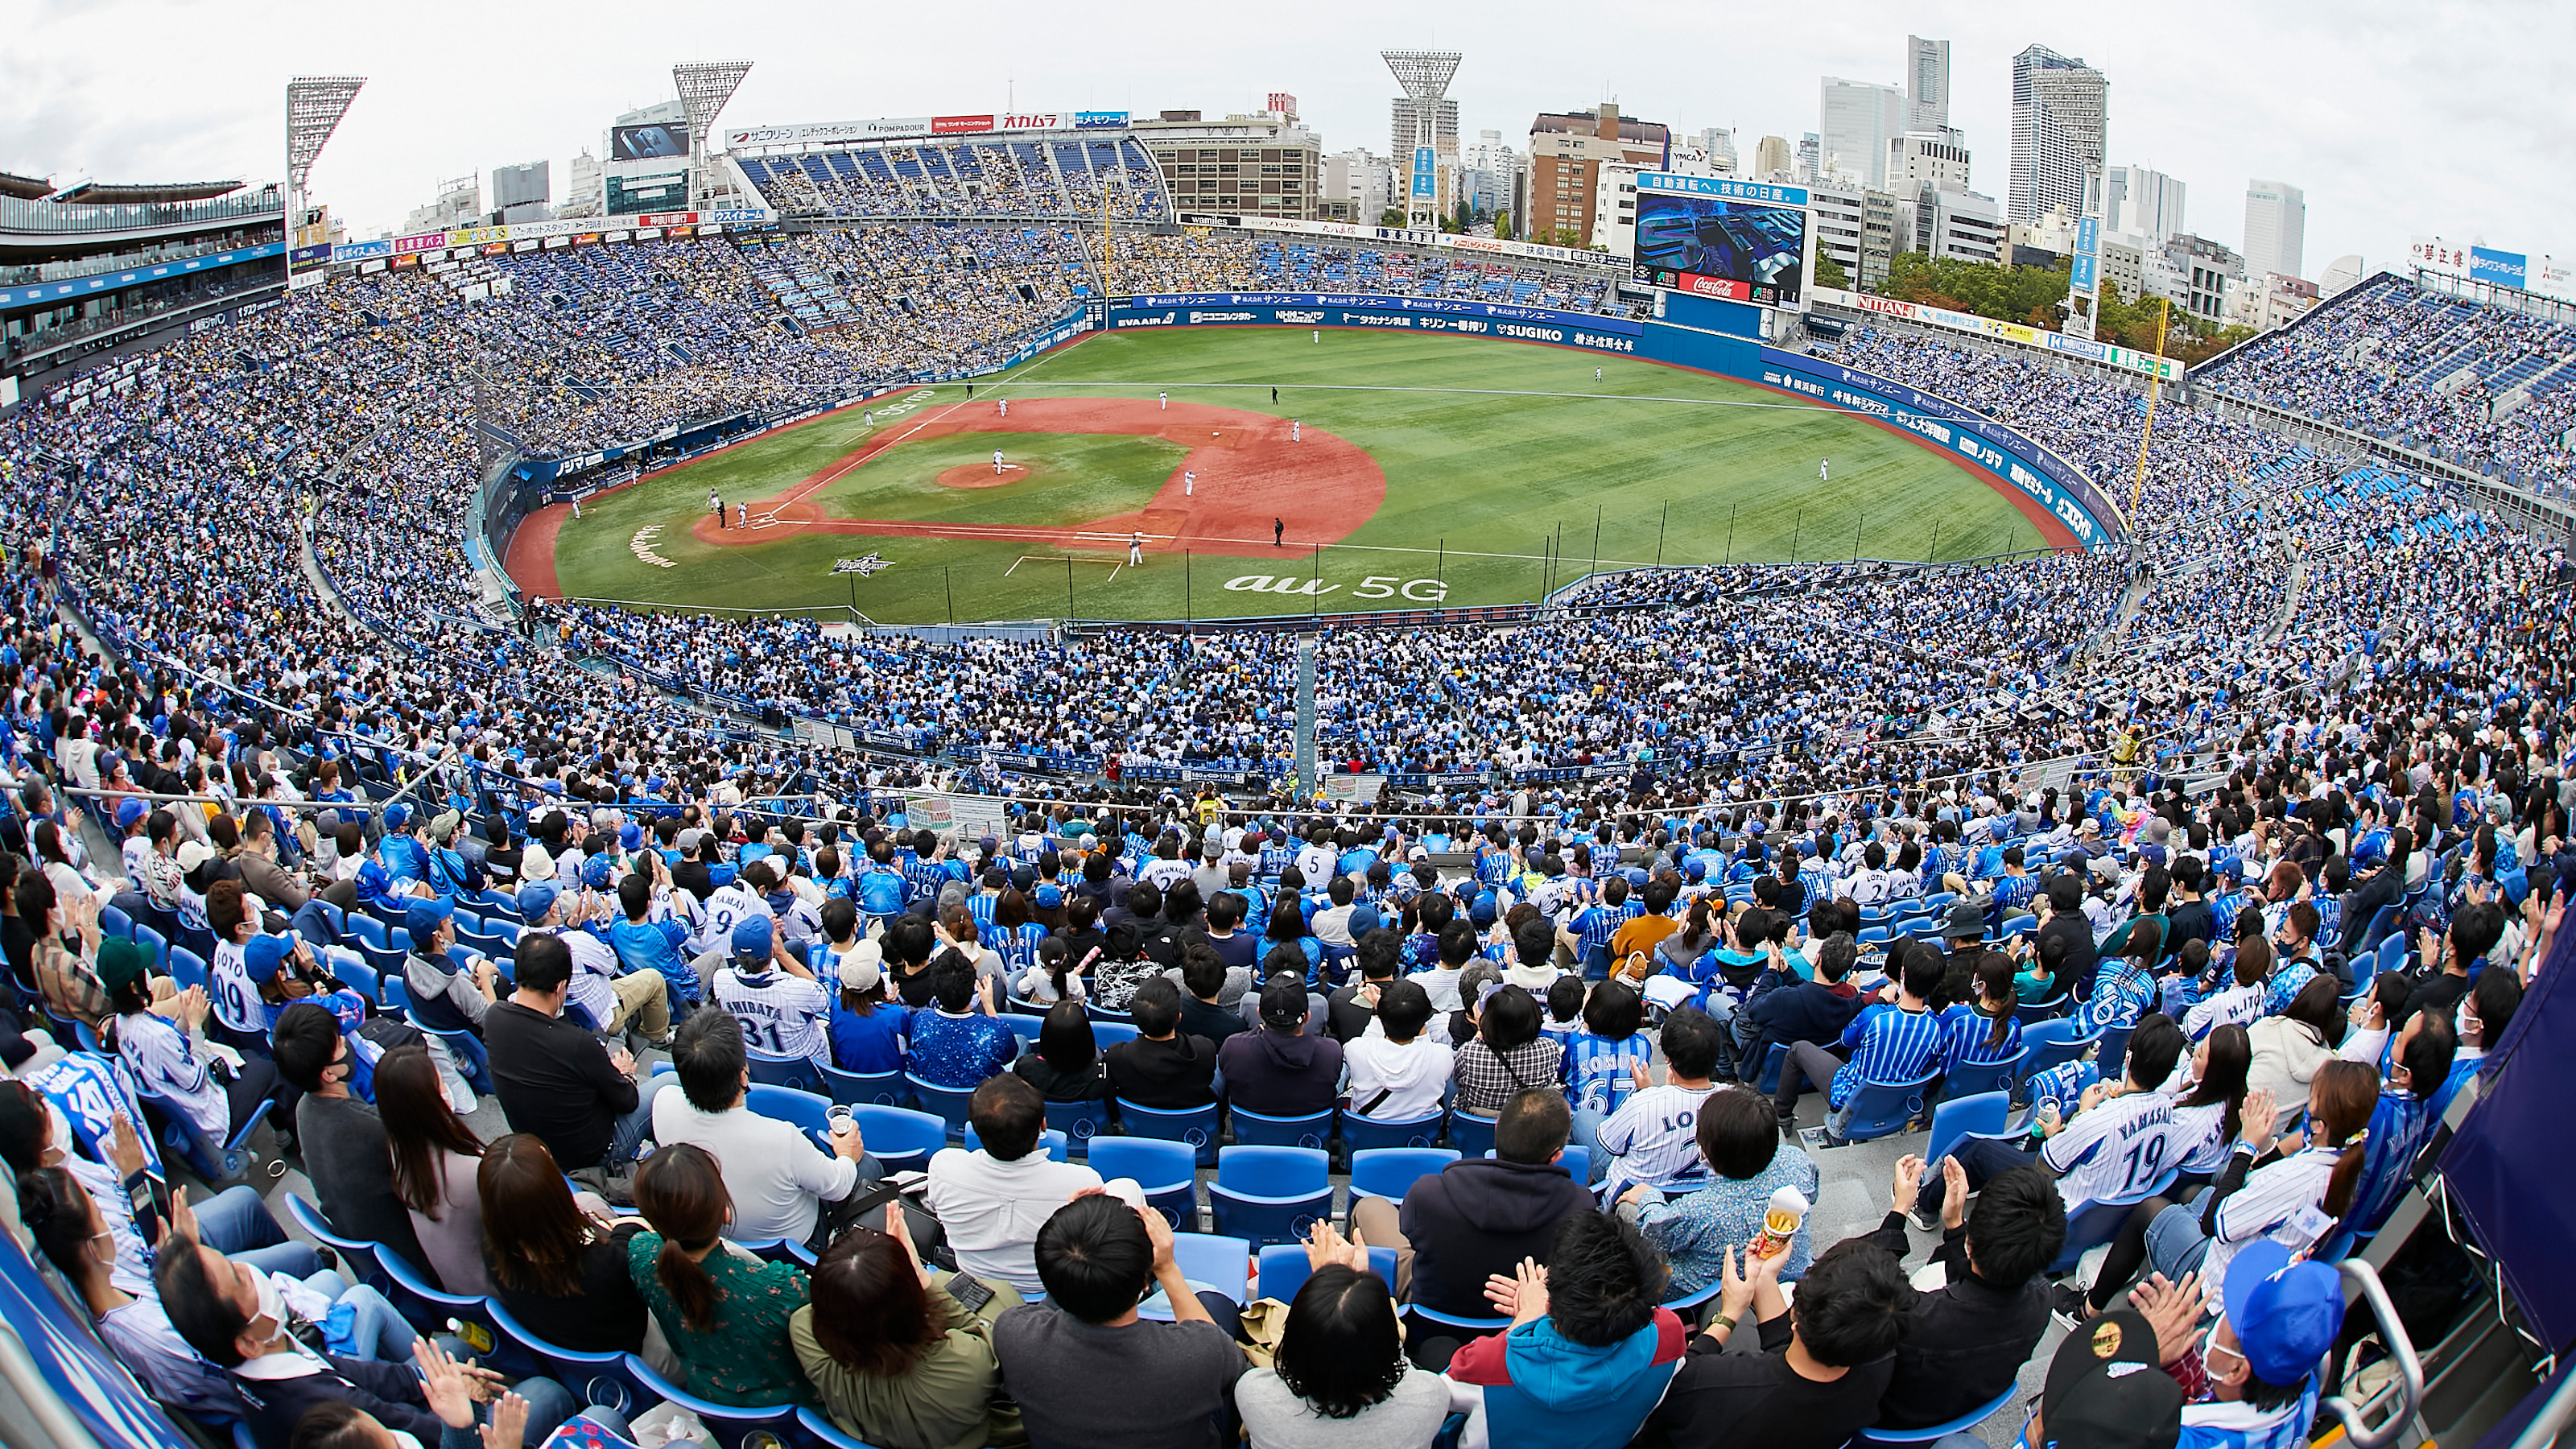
(1709, 246)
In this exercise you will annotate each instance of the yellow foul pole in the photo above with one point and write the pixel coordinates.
(2155, 385)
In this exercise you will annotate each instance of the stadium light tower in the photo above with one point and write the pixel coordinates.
(705, 86)
(1425, 76)
(314, 106)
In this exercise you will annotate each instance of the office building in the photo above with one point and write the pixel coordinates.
(1927, 84)
(1566, 153)
(1811, 163)
(2198, 274)
(1921, 159)
(1357, 187)
(520, 193)
(2061, 120)
(459, 204)
(2146, 202)
(581, 187)
(1855, 121)
(1256, 165)
(1859, 228)
(2276, 228)
(1772, 160)
(1960, 226)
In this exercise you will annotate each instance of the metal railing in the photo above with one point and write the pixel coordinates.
(51, 218)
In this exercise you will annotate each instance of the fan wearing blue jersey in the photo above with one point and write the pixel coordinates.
(1886, 1042)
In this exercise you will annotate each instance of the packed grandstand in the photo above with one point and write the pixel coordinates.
(2237, 839)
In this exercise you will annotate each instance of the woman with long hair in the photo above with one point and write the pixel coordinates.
(1340, 1375)
(2289, 1048)
(2260, 1188)
(2216, 1098)
(898, 1359)
(724, 1311)
(555, 1258)
(1065, 1065)
(436, 1162)
(867, 1028)
(1986, 1031)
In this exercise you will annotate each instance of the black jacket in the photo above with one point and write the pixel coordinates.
(1480, 1217)
(1281, 1074)
(1808, 1011)
(2081, 954)
(1964, 1343)
(1171, 1075)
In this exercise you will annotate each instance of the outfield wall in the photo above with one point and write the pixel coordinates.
(2011, 462)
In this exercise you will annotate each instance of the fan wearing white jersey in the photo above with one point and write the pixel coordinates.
(784, 1011)
(2120, 1143)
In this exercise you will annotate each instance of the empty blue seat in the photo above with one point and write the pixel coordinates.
(594, 1378)
(1271, 1194)
(758, 1427)
(948, 1104)
(1960, 1118)
(899, 1137)
(1284, 1269)
(1207, 1260)
(1390, 1172)
(808, 1111)
(1971, 1079)
(187, 968)
(357, 1255)
(797, 1073)
(2032, 1013)
(1195, 1126)
(2053, 1043)
(1167, 1171)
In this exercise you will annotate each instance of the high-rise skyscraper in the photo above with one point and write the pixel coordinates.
(2143, 203)
(1927, 84)
(2061, 120)
(1771, 159)
(1811, 157)
(1855, 121)
(2276, 227)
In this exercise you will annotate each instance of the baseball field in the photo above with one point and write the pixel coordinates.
(1154, 475)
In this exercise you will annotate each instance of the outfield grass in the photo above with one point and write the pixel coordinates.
(1496, 454)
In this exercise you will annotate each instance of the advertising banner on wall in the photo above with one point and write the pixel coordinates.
(2127, 358)
(909, 128)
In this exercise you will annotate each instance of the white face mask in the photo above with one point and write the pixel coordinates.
(272, 1307)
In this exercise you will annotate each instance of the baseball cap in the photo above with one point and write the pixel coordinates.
(121, 961)
(194, 853)
(2286, 1313)
(595, 872)
(127, 812)
(2105, 1389)
(535, 899)
(398, 816)
(421, 917)
(264, 956)
(443, 828)
(752, 937)
(860, 969)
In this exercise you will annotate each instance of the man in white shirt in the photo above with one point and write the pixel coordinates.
(1654, 1136)
(733, 903)
(2122, 1138)
(778, 1179)
(992, 1201)
(1396, 1070)
(784, 1011)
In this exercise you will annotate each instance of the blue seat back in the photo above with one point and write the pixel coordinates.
(1152, 1162)
(1472, 1135)
(1267, 1171)
(2052, 1043)
(809, 1111)
(1262, 1129)
(1390, 1172)
(946, 1103)
(797, 1073)
(1195, 1126)
(1284, 1269)
(187, 968)
(1883, 1109)
(730, 1427)
(898, 1136)
(2111, 1053)
(1957, 1118)
(594, 1378)
(1080, 1122)
(1207, 1260)
(2032, 1013)
(1365, 1134)
(884, 1089)
(1967, 1080)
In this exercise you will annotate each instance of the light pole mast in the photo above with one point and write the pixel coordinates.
(705, 86)
(314, 106)
(1425, 76)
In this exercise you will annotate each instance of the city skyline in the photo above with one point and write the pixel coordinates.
(121, 92)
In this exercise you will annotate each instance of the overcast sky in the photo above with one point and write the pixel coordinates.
(2397, 119)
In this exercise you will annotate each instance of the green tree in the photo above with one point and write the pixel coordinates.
(1390, 217)
(1830, 273)
(1503, 224)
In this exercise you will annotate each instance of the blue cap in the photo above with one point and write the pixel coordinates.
(265, 956)
(397, 816)
(421, 916)
(630, 836)
(535, 899)
(2286, 1314)
(127, 812)
(595, 871)
(752, 937)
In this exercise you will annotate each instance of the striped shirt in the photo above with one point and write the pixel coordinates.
(1888, 1044)
(2399, 1126)
(781, 1015)
(2200, 1135)
(1967, 1039)
(2122, 993)
(2271, 1196)
(1654, 1138)
(2239, 1425)
(166, 1065)
(1597, 1069)
(2115, 1151)
(1597, 925)
(2236, 1006)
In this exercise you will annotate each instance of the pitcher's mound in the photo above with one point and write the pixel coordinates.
(981, 475)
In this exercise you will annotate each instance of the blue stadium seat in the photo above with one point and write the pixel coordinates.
(808, 1111)
(1165, 1170)
(1389, 1172)
(1967, 1080)
(1883, 1109)
(1080, 1122)
(1195, 1126)
(1472, 1135)
(1260, 1129)
(798, 1073)
(1284, 1269)
(1207, 1260)
(899, 1137)
(1271, 1194)
(884, 1089)
(1362, 1134)
(760, 1427)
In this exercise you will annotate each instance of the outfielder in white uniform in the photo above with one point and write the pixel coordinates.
(1004, 404)
(1136, 550)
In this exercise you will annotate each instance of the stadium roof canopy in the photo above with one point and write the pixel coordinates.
(24, 188)
(94, 193)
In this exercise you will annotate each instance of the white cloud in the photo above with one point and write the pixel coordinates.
(2395, 119)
